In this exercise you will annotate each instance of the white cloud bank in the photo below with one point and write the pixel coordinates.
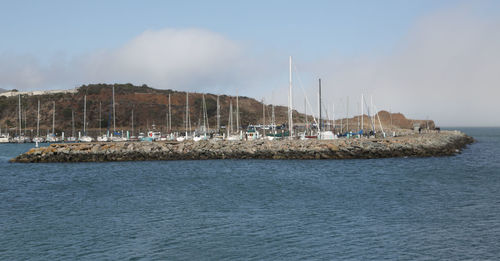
(186, 59)
(447, 68)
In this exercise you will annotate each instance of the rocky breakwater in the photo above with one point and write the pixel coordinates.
(417, 145)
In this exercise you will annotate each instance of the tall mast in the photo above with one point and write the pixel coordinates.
(290, 101)
(333, 116)
(187, 112)
(204, 111)
(38, 119)
(132, 122)
(273, 119)
(218, 114)
(237, 114)
(53, 118)
(169, 114)
(347, 112)
(362, 113)
(319, 108)
(263, 117)
(114, 120)
(20, 115)
(84, 114)
(230, 129)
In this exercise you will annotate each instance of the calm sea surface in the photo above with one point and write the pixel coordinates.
(399, 209)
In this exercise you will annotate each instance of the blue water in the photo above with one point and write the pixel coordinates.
(444, 208)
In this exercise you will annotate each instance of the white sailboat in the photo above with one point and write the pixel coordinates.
(85, 138)
(187, 122)
(101, 137)
(4, 138)
(72, 138)
(323, 134)
(38, 139)
(52, 136)
(205, 127)
(20, 138)
(230, 134)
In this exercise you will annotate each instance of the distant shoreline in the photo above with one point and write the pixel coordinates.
(446, 143)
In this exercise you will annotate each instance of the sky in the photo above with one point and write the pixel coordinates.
(426, 59)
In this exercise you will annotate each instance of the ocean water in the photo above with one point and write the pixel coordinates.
(445, 208)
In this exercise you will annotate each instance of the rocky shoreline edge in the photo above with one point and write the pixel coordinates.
(445, 143)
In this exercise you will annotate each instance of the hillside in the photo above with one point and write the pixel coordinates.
(149, 106)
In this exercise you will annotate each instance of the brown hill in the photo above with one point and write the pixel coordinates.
(149, 106)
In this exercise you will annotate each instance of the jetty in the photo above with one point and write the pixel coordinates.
(444, 143)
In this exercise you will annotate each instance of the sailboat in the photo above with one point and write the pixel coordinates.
(38, 138)
(101, 137)
(116, 136)
(72, 138)
(230, 134)
(52, 136)
(326, 134)
(85, 138)
(187, 122)
(4, 138)
(20, 138)
(205, 127)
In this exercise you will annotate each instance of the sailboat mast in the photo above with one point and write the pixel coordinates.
(230, 129)
(84, 114)
(347, 113)
(53, 117)
(114, 120)
(218, 115)
(132, 122)
(319, 108)
(20, 115)
(204, 107)
(38, 119)
(263, 117)
(333, 116)
(169, 114)
(290, 103)
(187, 113)
(272, 119)
(237, 114)
(362, 113)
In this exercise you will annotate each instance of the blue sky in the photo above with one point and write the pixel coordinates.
(411, 56)
(307, 29)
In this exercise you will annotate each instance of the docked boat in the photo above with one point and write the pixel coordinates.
(21, 139)
(103, 138)
(155, 135)
(86, 139)
(38, 139)
(4, 138)
(252, 134)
